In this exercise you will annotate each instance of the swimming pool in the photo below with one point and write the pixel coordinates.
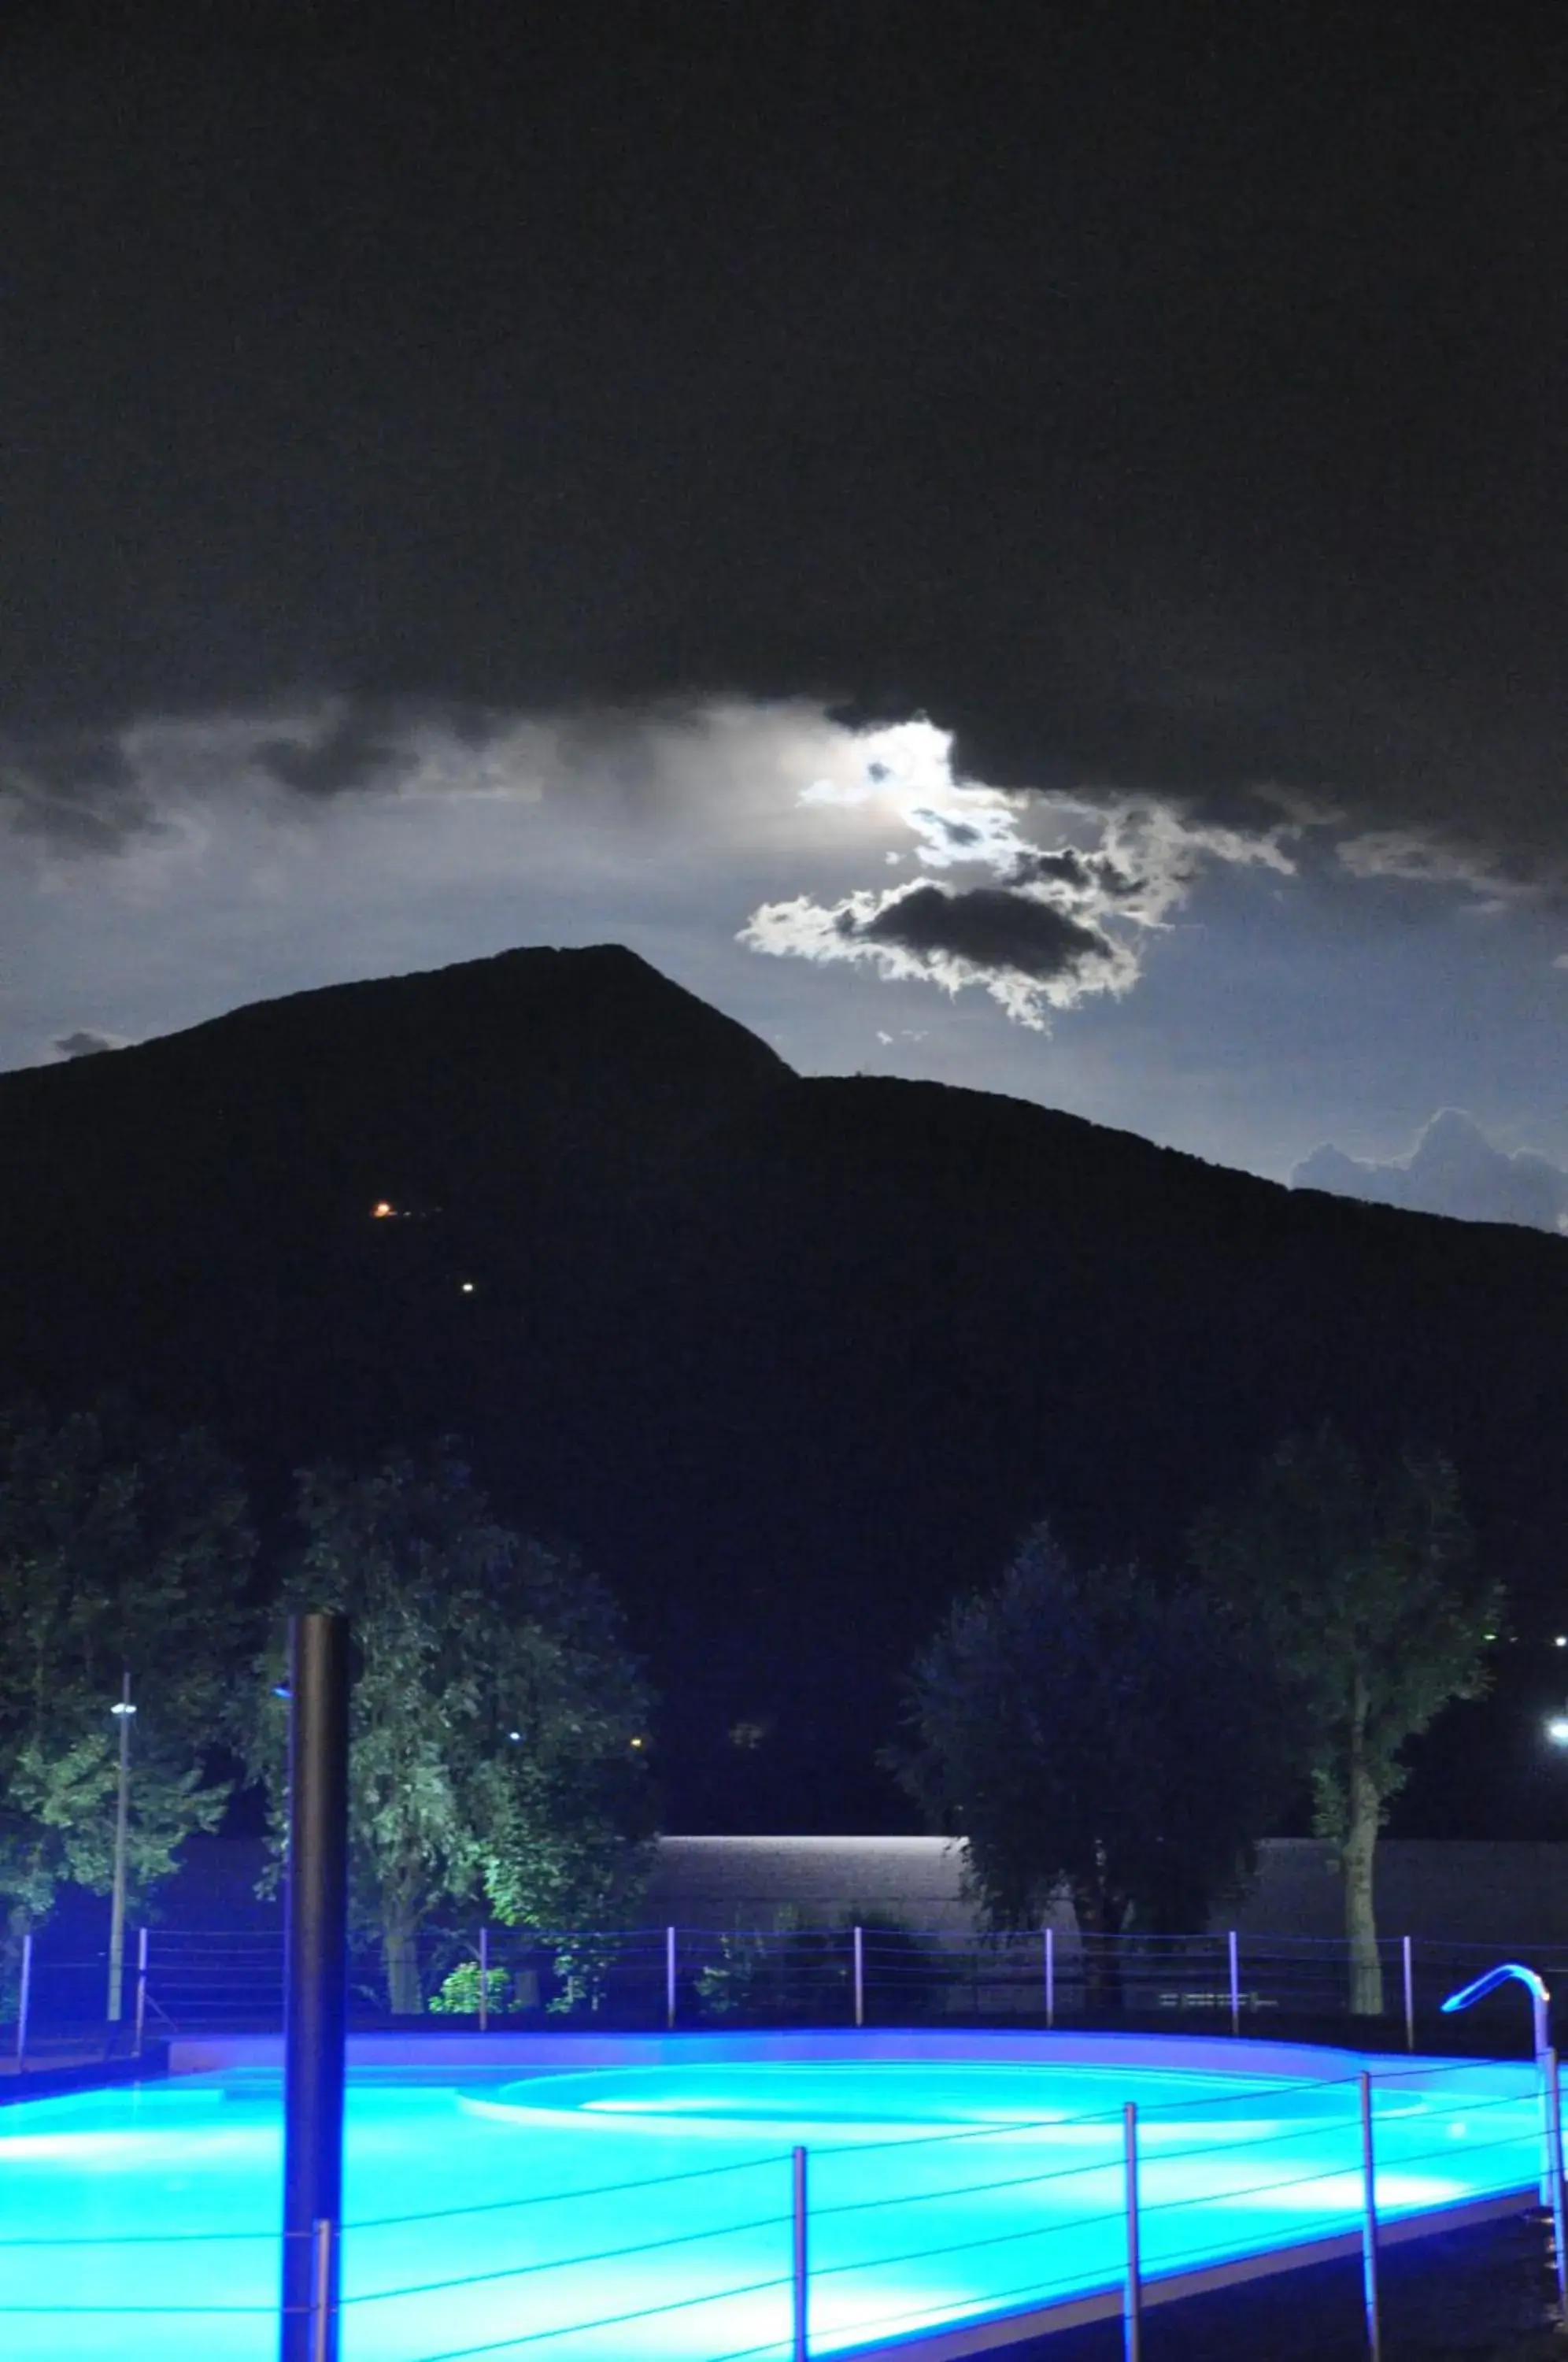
(641, 2206)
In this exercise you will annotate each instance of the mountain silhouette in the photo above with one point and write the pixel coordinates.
(792, 1360)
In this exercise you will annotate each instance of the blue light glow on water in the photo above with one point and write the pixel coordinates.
(643, 2213)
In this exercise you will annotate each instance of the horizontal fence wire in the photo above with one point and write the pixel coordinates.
(947, 2192)
(611, 2321)
(565, 2197)
(971, 2246)
(532, 2269)
(767, 1973)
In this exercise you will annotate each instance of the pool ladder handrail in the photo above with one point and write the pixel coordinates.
(1541, 1999)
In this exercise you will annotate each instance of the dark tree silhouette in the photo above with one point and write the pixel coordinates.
(1364, 1586)
(1088, 1729)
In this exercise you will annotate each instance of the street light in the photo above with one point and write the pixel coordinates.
(1557, 1731)
(123, 1709)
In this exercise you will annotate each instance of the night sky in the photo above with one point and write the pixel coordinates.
(1019, 546)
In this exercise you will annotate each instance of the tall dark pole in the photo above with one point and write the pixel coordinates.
(316, 1999)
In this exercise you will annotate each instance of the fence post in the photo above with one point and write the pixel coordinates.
(1050, 1977)
(140, 1989)
(1132, 2286)
(1369, 2224)
(1409, 1993)
(670, 1978)
(484, 1976)
(1555, 2170)
(1233, 1947)
(322, 2343)
(860, 1976)
(800, 2276)
(23, 1998)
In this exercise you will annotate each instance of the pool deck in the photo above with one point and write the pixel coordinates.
(82, 2068)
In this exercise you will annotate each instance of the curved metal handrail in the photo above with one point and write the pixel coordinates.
(1539, 1997)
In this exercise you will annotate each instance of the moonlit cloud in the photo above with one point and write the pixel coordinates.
(1451, 1169)
(735, 765)
(1028, 955)
(1423, 857)
(1043, 899)
(187, 863)
(1075, 884)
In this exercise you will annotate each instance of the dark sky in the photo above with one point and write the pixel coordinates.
(1062, 504)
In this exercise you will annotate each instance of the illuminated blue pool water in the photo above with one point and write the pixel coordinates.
(645, 2211)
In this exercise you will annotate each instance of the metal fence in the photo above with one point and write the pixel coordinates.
(184, 1980)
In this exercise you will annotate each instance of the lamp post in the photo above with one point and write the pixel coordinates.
(316, 1986)
(123, 1709)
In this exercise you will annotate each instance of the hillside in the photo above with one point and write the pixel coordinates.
(793, 1360)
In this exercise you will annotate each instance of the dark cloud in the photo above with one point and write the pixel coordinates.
(1162, 413)
(362, 749)
(375, 743)
(1453, 1169)
(76, 791)
(987, 926)
(1028, 953)
(84, 1044)
(1086, 873)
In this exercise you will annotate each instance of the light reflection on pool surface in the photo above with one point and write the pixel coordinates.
(940, 2189)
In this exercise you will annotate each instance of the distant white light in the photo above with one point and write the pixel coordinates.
(467, 1288)
(122, 1706)
(1557, 1731)
(515, 1737)
(1560, 1641)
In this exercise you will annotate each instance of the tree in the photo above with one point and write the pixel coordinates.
(498, 1728)
(1363, 1586)
(122, 1548)
(1093, 1731)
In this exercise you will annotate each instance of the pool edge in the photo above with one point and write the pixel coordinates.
(574, 2052)
(1002, 2331)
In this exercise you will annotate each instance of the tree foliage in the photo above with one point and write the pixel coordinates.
(1090, 1731)
(499, 1727)
(1363, 1583)
(121, 1548)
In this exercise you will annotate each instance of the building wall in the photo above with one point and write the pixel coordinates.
(1506, 1894)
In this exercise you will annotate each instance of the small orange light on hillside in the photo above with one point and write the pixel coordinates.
(383, 1210)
